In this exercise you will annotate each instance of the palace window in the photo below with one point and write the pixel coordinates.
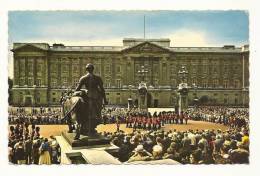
(97, 70)
(225, 69)
(194, 70)
(156, 82)
(118, 83)
(39, 68)
(174, 82)
(75, 82)
(204, 84)
(30, 82)
(215, 83)
(65, 69)
(215, 70)
(30, 69)
(236, 84)
(194, 82)
(236, 101)
(21, 81)
(107, 69)
(38, 99)
(21, 97)
(173, 70)
(118, 69)
(75, 68)
(107, 83)
(65, 82)
(38, 82)
(205, 69)
(225, 101)
(225, 83)
(53, 82)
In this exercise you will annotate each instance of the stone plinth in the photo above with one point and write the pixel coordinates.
(99, 154)
(85, 141)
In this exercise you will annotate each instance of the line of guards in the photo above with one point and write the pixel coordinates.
(155, 122)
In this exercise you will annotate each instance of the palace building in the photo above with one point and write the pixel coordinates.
(216, 75)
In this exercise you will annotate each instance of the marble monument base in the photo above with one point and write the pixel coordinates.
(85, 141)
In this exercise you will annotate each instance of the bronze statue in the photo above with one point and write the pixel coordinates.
(85, 105)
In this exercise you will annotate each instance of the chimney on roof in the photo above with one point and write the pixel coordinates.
(245, 47)
(229, 46)
(58, 45)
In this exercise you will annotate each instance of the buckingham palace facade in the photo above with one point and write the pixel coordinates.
(216, 75)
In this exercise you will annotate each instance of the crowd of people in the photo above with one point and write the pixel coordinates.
(232, 117)
(41, 116)
(147, 142)
(27, 146)
(186, 147)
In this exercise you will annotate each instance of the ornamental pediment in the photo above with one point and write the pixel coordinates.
(146, 47)
(29, 47)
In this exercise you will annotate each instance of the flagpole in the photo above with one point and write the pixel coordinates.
(144, 26)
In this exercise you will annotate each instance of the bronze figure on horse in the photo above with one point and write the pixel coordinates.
(82, 108)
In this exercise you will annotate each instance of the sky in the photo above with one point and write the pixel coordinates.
(108, 28)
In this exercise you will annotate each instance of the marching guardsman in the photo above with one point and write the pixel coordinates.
(181, 117)
(139, 121)
(177, 118)
(158, 123)
(149, 123)
(117, 124)
(154, 122)
(127, 120)
(186, 118)
(130, 121)
(135, 122)
(144, 122)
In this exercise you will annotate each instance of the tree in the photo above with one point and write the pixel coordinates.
(10, 86)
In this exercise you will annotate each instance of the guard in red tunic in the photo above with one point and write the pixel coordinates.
(117, 124)
(149, 123)
(158, 123)
(139, 121)
(186, 118)
(144, 122)
(127, 121)
(130, 121)
(177, 118)
(154, 121)
(135, 122)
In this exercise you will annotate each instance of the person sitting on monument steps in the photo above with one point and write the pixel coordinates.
(94, 98)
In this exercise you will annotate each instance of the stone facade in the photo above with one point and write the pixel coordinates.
(220, 74)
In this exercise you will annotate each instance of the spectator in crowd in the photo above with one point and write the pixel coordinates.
(45, 153)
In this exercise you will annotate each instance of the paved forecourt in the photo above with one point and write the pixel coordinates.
(55, 130)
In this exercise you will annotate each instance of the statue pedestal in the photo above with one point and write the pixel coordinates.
(85, 141)
(142, 99)
(182, 97)
(91, 154)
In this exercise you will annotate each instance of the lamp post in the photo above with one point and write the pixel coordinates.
(182, 90)
(142, 90)
(130, 100)
(195, 87)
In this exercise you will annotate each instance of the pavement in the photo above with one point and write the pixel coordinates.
(55, 130)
